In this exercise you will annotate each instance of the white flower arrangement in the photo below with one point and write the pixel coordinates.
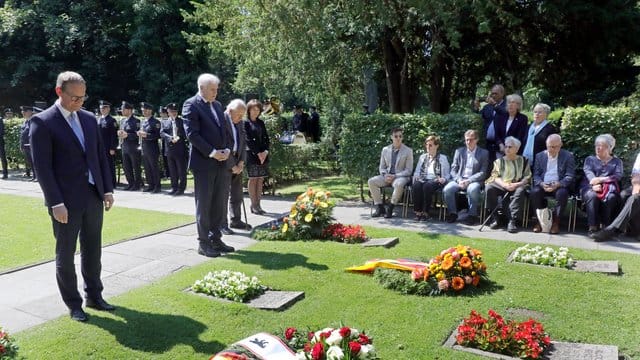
(231, 285)
(543, 256)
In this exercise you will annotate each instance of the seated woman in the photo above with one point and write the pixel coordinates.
(601, 190)
(510, 176)
(431, 174)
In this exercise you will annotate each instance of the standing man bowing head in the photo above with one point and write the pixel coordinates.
(75, 178)
(211, 143)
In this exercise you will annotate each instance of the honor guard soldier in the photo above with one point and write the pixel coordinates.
(174, 136)
(129, 127)
(150, 134)
(8, 114)
(164, 117)
(25, 146)
(109, 133)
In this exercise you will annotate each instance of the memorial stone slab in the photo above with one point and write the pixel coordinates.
(607, 267)
(276, 300)
(386, 242)
(524, 313)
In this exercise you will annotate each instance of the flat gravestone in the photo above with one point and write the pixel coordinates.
(386, 242)
(557, 350)
(276, 300)
(607, 267)
(523, 313)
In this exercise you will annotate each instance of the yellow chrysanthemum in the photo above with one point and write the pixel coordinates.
(440, 276)
(320, 194)
(285, 227)
(308, 217)
(324, 204)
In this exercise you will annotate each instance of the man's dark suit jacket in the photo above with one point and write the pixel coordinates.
(109, 132)
(179, 148)
(518, 129)
(241, 153)
(566, 168)
(62, 165)
(489, 113)
(204, 133)
(480, 165)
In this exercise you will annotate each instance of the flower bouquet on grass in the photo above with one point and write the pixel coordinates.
(329, 343)
(525, 340)
(230, 285)
(455, 270)
(543, 256)
(350, 234)
(8, 347)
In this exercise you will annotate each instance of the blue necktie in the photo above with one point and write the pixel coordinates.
(77, 129)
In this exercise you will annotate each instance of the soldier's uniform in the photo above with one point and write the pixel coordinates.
(109, 133)
(25, 145)
(175, 149)
(151, 149)
(130, 152)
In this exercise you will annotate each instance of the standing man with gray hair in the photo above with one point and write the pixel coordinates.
(74, 174)
(211, 144)
(233, 115)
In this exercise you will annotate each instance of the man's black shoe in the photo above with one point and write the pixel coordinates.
(219, 246)
(389, 213)
(99, 304)
(603, 235)
(379, 211)
(78, 315)
(451, 218)
(511, 227)
(173, 192)
(495, 224)
(226, 231)
(149, 189)
(157, 191)
(205, 249)
(179, 192)
(5, 176)
(240, 225)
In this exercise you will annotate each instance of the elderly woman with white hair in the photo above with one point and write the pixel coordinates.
(513, 123)
(509, 177)
(601, 188)
(538, 132)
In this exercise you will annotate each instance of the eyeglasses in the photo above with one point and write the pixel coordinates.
(397, 136)
(77, 98)
(508, 146)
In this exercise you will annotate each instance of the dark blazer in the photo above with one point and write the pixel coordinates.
(204, 133)
(61, 162)
(24, 132)
(241, 153)
(179, 148)
(540, 139)
(518, 129)
(109, 132)
(566, 168)
(257, 138)
(489, 113)
(480, 165)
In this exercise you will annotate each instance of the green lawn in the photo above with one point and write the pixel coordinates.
(341, 187)
(162, 321)
(26, 236)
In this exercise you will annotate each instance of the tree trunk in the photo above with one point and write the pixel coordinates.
(441, 82)
(400, 86)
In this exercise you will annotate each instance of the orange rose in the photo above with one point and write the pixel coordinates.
(465, 262)
(425, 275)
(447, 263)
(476, 280)
(457, 283)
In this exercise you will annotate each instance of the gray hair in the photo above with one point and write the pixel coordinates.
(206, 78)
(516, 99)
(553, 137)
(66, 77)
(513, 141)
(544, 107)
(236, 104)
(607, 139)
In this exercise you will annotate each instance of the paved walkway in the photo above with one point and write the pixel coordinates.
(30, 296)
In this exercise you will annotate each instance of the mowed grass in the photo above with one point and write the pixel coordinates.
(161, 321)
(26, 234)
(341, 187)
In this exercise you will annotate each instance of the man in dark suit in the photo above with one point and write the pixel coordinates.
(211, 143)
(8, 114)
(75, 178)
(553, 175)
(175, 150)
(109, 133)
(233, 115)
(25, 146)
(131, 147)
(164, 118)
(469, 169)
(495, 106)
(150, 134)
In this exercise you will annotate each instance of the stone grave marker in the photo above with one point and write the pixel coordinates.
(607, 267)
(276, 300)
(386, 242)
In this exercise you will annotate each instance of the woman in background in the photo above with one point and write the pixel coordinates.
(257, 156)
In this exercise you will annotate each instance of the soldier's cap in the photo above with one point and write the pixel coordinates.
(37, 109)
(104, 103)
(126, 105)
(162, 109)
(26, 108)
(172, 106)
(8, 110)
(146, 105)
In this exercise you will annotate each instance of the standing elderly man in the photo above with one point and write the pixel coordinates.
(495, 108)
(553, 174)
(75, 178)
(233, 115)
(468, 171)
(211, 143)
(396, 166)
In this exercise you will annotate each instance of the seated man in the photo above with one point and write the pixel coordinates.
(396, 165)
(468, 171)
(509, 179)
(553, 174)
(631, 210)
